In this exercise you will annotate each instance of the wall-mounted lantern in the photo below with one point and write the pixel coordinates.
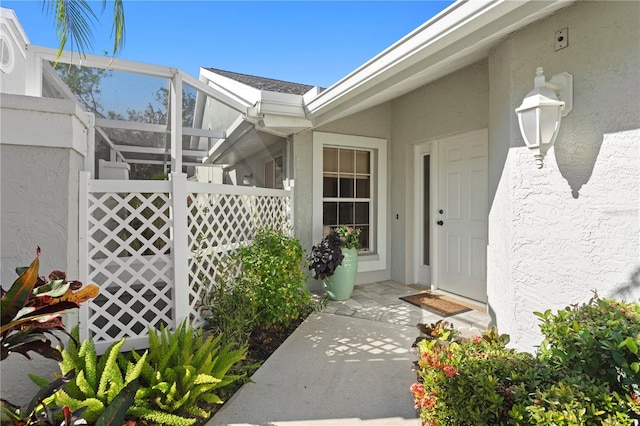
(542, 109)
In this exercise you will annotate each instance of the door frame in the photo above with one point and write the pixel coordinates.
(419, 149)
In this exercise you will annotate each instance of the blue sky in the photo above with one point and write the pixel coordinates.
(307, 42)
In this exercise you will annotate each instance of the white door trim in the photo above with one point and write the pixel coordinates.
(418, 149)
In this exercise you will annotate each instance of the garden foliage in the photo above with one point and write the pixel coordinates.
(586, 372)
(325, 257)
(165, 384)
(272, 270)
(230, 308)
(31, 309)
(182, 370)
(98, 380)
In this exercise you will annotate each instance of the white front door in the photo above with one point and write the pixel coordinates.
(461, 219)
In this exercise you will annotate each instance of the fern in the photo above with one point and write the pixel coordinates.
(88, 351)
(94, 406)
(160, 416)
(98, 381)
(181, 370)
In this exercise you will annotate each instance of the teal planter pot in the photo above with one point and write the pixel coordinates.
(339, 286)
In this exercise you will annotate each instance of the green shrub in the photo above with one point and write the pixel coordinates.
(586, 372)
(600, 339)
(273, 265)
(230, 308)
(575, 400)
(471, 382)
(182, 370)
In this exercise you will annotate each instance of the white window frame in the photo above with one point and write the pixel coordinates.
(7, 51)
(367, 262)
(273, 172)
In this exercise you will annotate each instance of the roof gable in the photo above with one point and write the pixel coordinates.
(263, 83)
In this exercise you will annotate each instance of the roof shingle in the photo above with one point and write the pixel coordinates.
(263, 83)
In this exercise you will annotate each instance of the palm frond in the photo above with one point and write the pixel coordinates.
(74, 20)
(118, 30)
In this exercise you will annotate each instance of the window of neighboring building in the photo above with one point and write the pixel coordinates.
(273, 173)
(7, 59)
(350, 181)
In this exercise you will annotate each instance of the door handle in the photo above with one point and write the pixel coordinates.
(440, 222)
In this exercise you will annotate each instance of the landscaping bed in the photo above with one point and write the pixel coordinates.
(262, 344)
(585, 372)
(187, 373)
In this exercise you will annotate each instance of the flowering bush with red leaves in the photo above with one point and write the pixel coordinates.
(479, 381)
(468, 381)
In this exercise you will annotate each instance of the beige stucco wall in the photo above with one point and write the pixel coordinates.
(557, 233)
(374, 122)
(41, 154)
(454, 104)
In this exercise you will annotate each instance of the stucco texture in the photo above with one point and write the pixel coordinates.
(39, 207)
(374, 122)
(558, 233)
(454, 104)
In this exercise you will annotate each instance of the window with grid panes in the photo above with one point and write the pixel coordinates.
(347, 191)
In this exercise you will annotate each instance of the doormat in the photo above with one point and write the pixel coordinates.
(436, 304)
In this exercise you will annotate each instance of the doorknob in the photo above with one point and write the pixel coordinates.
(440, 222)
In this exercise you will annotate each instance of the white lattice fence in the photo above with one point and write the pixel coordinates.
(221, 219)
(153, 259)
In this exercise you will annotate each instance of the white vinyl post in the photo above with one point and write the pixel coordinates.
(180, 246)
(83, 249)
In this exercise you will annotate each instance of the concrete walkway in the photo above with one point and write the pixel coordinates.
(348, 365)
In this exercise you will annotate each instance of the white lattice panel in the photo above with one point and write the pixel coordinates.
(219, 224)
(132, 255)
(130, 244)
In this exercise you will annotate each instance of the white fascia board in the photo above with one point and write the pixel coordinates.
(242, 93)
(437, 36)
(9, 18)
(312, 93)
(283, 125)
(280, 114)
(280, 104)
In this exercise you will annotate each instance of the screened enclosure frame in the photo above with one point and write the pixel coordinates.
(173, 132)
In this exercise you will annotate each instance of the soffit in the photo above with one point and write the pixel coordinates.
(458, 37)
(243, 141)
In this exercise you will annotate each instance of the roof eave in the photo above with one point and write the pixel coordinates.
(466, 29)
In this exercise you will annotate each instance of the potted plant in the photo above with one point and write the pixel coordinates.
(334, 260)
